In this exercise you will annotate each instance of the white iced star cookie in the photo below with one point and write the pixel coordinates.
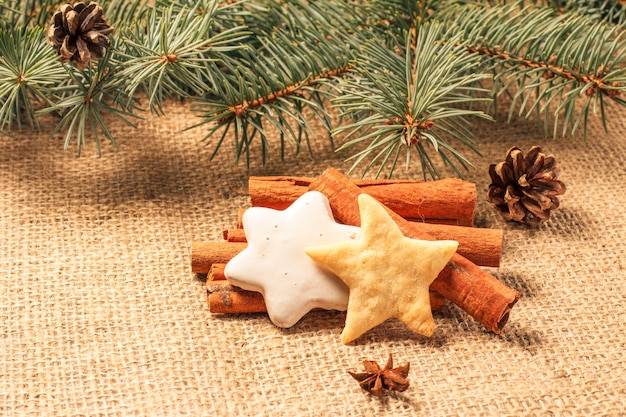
(274, 262)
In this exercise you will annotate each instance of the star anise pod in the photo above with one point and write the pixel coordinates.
(79, 33)
(525, 188)
(379, 380)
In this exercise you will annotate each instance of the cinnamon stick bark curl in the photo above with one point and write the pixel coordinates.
(448, 201)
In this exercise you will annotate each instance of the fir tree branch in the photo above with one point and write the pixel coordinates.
(273, 84)
(241, 109)
(18, 14)
(290, 16)
(399, 15)
(94, 92)
(551, 60)
(261, 65)
(29, 71)
(411, 101)
(608, 11)
(167, 58)
(125, 13)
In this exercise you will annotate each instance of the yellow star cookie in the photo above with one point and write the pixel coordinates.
(388, 274)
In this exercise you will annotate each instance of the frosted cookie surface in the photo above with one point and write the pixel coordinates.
(274, 262)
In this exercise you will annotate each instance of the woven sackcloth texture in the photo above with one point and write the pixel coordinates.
(100, 314)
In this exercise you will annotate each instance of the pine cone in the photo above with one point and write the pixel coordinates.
(79, 33)
(525, 188)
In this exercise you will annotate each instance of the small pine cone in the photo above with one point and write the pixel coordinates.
(79, 33)
(525, 188)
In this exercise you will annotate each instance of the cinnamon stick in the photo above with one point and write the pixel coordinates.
(448, 201)
(205, 254)
(228, 299)
(234, 235)
(484, 253)
(481, 246)
(475, 291)
(437, 301)
(232, 302)
(216, 272)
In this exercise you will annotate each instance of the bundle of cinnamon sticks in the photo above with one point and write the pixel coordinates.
(436, 210)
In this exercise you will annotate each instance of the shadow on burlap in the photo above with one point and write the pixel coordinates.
(101, 316)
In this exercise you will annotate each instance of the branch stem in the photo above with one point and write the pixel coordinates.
(240, 109)
(551, 69)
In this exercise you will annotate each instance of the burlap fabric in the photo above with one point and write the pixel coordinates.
(101, 316)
